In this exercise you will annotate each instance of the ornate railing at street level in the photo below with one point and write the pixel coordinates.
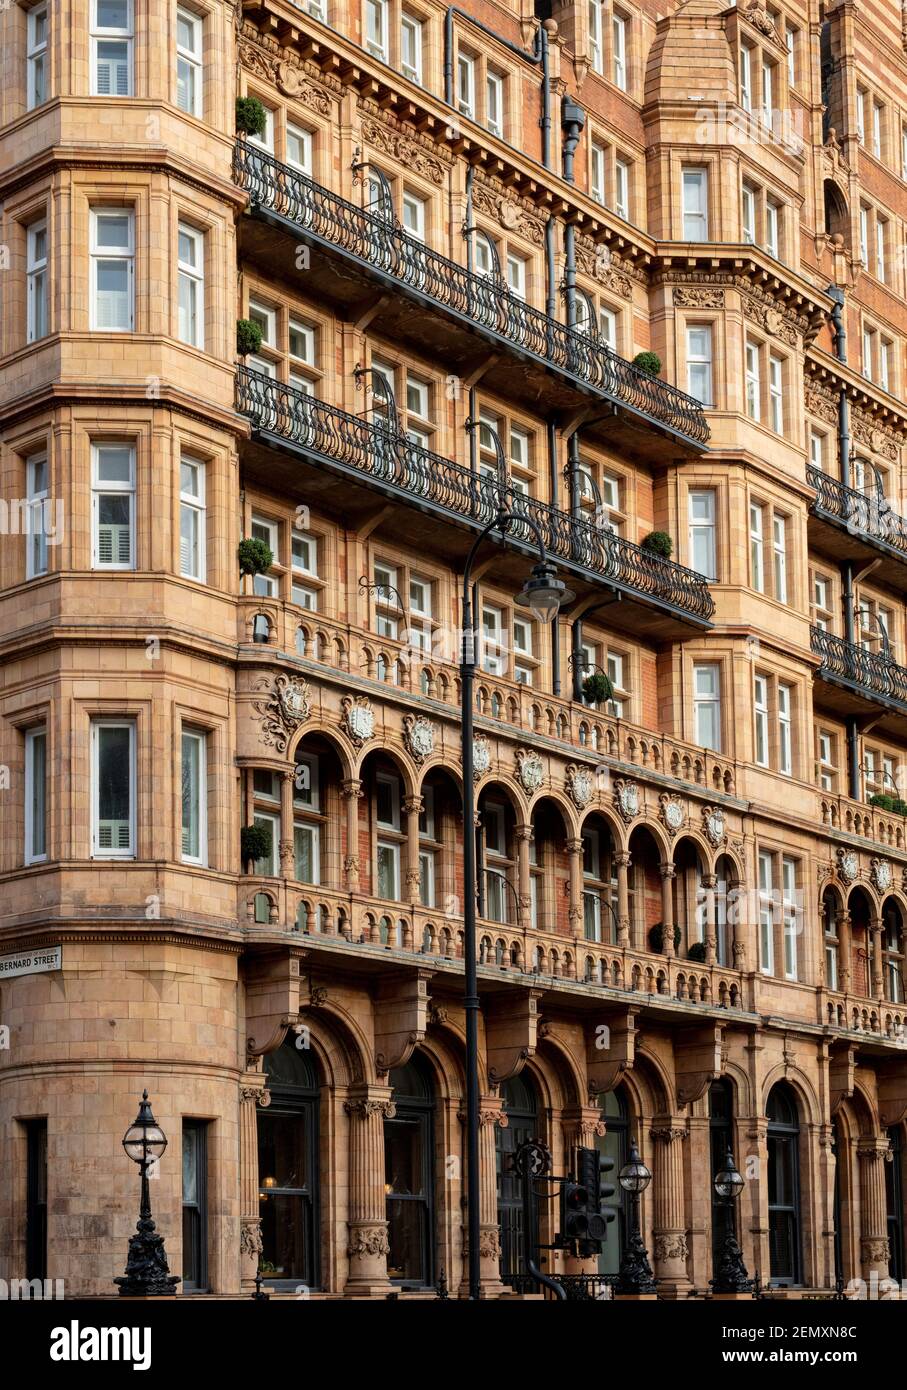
(372, 449)
(872, 672)
(381, 243)
(859, 512)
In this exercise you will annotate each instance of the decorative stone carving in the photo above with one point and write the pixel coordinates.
(672, 812)
(760, 19)
(287, 706)
(600, 264)
(698, 297)
(304, 81)
(875, 1250)
(713, 824)
(530, 770)
(363, 1109)
(358, 719)
(821, 402)
(368, 1240)
(490, 1243)
(250, 1243)
(580, 784)
(403, 147)
(881, 874)
(771, 319)
(628, 799)
(848, 865)
(671, 1245)
(481, 757)
(514, 214)
(419, 737)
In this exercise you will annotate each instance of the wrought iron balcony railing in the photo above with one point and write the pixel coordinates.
(861, 514)
(371, 238)
(872, 672)
(410, 471)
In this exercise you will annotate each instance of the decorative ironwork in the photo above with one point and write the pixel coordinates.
(410, 471)
(861, 513)
(373, 240)
(871, 672)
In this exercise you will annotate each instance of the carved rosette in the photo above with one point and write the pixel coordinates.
(579, 783)
(358, 719)
(672, 812)
(288, 705)
(419, 737)
(530, 771)
(628, 799)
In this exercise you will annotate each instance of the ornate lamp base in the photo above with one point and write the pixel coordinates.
(732, 1276)
(635, 1275)
(147, 1271)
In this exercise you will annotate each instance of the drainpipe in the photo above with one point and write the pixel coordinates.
(577, 660)
(551, 269)
(553, 483)
(836, 294)
(573, 461)
(573, 118)
(539, 56)
(853, 736)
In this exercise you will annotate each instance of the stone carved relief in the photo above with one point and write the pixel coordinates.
(250, 1243)
(821, 401)
(671, 1245)
(514, 214)
(481, 757)
(368, 1240)
(628, 799)
(579, 783)
(881, 874)
(697, 297)
(419, 737)
(530, 770)
(848, 865)
(404, 146)
(358, 719)
(600, 264)
(713, 824)
(672, 812)
(281, 714)
(304, 81)
(771, 320)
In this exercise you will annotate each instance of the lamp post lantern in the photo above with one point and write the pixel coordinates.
(732, 1276)
(635, 1275)
(147, 1271)
(543, 593)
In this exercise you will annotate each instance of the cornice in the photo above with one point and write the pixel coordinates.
(71, 933)
(122, 394)
(886, 414)
(134, 159)
(767, 288)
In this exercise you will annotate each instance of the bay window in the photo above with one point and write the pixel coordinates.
(113, 791)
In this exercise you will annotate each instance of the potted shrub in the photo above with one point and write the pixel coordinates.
(254, 557)
(899, 806)
(648, 362)
(248, 337)
(883, 801)
(597, 688)
(251, 117)
(697, 951)
(658, 543)
(656, 937)
(256, 844)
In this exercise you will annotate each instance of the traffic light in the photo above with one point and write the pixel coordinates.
(583, 1222)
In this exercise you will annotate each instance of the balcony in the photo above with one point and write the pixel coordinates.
(369, 267)
(856, 682)
(657, 598)
(856, 526)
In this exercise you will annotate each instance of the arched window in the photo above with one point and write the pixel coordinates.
(894, 1191)
(288, 1169)
(784, 1186)
(721, 1134)
(613, 1151)
(409, 1178)
(520, 1104)
(261, 628)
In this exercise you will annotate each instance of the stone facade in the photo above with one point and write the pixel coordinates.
(655, 916)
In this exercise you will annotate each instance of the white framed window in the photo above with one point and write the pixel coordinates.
(113, 506)
(494, 659)
(414, 216)
(877, 113)
(265, 141)
(699, 362)
(191, 285)
(753, 382)
(36, 489)
(701, 505)
(299, 148)
(776, 392)
(36, 56)
(607, 326)
(112, 270)
(516, 275)
(695, 183)
(376, 28)
(817, 450)
(262, 528)
(868, 351)
(772, 228)
(790, 43)
(619, 28)
(192, 519)
(707, 705)
(111, 48)
(189, 71)
(766, 915)
(388, 866)
(779, 555)
(427, 878)
(494, 102)
(827, 764)
(622, 188)
(785, 731)
(266, 319)
(35, 795)
(760, 721)
(596, 36)
(597, 170)
(790, 915)
(194, 782)
(307, 852)
(411, 48)
(36, 279)
(113, 799)
(881, 240)
(387, 801)
(757, 562)
(466, 85)
(864, 235)
(862, 95)
(306, 784)
(266, 867)
(748, 213)
(768, 92)
(746, 77)
(885, 355)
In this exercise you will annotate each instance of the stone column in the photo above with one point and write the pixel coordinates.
(252, 1093)
(490, 1115)
(622, 863)
(844, 951)
(878, 986)
(873, 1208)
(368, 1247)
(711, 940)
(287, 842)
(351, 792)
(667, 906)
(413, 806)
(575, 852)
(669, 1224)
(523, 834)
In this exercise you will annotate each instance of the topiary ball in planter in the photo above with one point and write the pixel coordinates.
(648, 362)
(656, 937)
(597, 688)
(248, 337)
(254, 557)
(658, 543)
(696, 951)
(883, 801)
(256, 843)
(251, 117)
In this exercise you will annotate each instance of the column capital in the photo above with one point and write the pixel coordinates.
(709, 881)
(413, 804)
(622, 859)
(667, 870)
(574, 846)
(351, 787)
(523, 833)
(668, 1134)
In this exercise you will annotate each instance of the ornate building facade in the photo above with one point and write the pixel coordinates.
(344, 279)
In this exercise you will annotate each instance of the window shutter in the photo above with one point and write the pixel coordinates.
(114, 545)
(113, 834)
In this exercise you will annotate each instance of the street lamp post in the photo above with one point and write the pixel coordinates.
(543, 593)
(732, 1276)
(635, 1275)
(147, 1271)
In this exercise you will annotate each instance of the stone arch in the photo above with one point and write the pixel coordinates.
(810, 1110)
(444, 1064)
(330, 736)
(700, 843)
(402, 763)
(564, 806)
(515, 800)
(616, 826)
(650, 1083)
(570, 1068)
